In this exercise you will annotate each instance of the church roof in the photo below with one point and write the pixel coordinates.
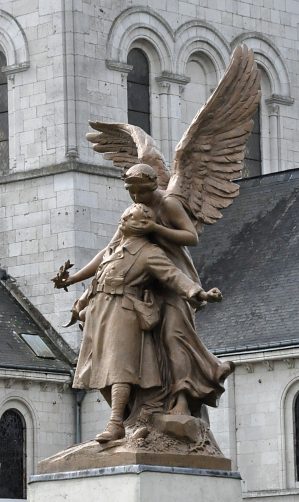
(252, 255)
(42, 350)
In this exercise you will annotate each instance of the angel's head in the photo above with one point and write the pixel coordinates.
(141, 182)
(134, 217)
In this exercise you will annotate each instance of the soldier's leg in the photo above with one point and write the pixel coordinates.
(120, 393)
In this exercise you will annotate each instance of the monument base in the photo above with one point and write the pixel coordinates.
(137, 483)
(92, 455)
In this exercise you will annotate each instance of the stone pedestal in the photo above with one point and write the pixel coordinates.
(92, 455)
(137, 483)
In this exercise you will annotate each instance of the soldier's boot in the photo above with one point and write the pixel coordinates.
(120, 394)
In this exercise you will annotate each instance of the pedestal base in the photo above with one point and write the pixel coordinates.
(91, 455)
(137, 483)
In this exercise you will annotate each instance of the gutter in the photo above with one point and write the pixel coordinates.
(35, 369)
(287, 355)
(269, 347)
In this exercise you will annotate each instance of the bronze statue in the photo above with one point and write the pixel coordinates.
(115, 356)
(163, 367)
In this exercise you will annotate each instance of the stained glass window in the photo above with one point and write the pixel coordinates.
(4, 153)
(138, 90)
(253, 159)
(12, 455)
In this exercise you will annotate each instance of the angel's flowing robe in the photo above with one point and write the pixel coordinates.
(186, 363)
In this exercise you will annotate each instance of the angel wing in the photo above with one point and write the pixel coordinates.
(211, 152)
(127, 145)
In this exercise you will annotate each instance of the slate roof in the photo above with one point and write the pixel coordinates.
(14, 320)
(252, 255)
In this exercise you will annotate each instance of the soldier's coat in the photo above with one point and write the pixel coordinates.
(111, 347)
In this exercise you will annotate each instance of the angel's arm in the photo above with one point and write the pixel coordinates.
(184, 232)
(180, 231)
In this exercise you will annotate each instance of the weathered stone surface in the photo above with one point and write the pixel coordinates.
(180, 426)
(137, 483)
(92, 455)
(146, 445)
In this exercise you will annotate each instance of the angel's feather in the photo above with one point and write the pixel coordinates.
(127, 145)
(210, 154)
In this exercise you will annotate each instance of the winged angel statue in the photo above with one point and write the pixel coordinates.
(159, 363)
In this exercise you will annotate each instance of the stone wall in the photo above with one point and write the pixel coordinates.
(49, 219)
(95, 414)
(254, 424)
(47, 406)
(182, 39)
(66, 64)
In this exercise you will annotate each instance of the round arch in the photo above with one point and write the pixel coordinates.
(138, 81)
(29, 415)
(139, 23)
(13, 42)
(198, 36)
(287, 401)
(270, 59)
(13, 453)
(150, 51)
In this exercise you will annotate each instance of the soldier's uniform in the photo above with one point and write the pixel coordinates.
(112, 340)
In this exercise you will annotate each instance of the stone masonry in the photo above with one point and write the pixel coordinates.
(66, 64)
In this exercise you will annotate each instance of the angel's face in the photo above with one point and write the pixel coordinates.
(140, 193)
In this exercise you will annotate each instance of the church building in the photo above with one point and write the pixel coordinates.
(151, 63)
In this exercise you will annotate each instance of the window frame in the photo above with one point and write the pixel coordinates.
(146, 86)
(4, 161)
(259, 142)
(22, 488)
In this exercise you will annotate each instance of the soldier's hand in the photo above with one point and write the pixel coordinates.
(60, 283)
(214, 295)
(62, 278)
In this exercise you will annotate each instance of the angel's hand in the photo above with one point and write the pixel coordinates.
(213, 295)
(142, 227)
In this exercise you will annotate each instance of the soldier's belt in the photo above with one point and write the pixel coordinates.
(119, 289)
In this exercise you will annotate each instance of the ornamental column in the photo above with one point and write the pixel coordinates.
(273, 110)
(274, 104)
(170, 90)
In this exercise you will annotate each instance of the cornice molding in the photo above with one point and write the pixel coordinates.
(64, 167)
(118, 66)
(277, 99)
(172, 78)
(15, 68)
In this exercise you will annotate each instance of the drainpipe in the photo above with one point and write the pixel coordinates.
(79, 395)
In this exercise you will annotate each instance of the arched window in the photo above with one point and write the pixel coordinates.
(296, 435)
(12, 455)
(253, 158)
(4, 154)
(138, 90)
(201, 72)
